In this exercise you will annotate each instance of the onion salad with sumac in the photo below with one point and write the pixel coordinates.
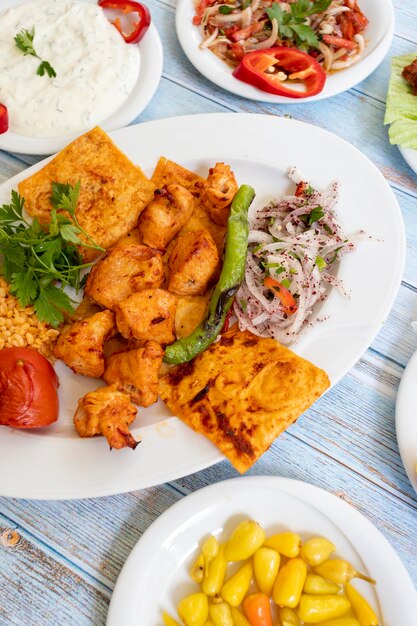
(294, 246)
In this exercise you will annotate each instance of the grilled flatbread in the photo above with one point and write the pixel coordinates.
(242, 392)
(113, 193)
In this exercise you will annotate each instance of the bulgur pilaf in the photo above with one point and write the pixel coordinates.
(20, 327)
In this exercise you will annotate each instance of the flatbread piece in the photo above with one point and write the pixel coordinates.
(114, 191)
(242, 392)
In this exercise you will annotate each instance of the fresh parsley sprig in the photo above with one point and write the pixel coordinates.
(40, 261)
(293, 24)
(24, 41)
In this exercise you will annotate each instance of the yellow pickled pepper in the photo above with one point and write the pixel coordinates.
(193, 609)
(265, 566)
(317, 550)
(247, 537)
(318, 585)
(235, 589)
(220, 614)
(340, 572)
(288, 544)
(216, 572)
(168, 620)
(288, 617)
(238, 618)
(209, 551)
(197, 570)
(289, 583)
(316, 609)
(208, 623)
(361, 607)
(341, 621)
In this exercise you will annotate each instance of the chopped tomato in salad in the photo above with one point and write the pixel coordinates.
(330, 31)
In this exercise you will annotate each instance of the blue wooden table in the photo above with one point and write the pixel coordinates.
(61, 562)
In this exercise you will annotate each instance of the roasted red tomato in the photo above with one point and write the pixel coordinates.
(4, 119)
(129, 6)
(28, 389)
(272, 70)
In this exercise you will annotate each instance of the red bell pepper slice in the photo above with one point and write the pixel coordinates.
(287, 299)
(4, 119)
(300, 66)
(129, 6)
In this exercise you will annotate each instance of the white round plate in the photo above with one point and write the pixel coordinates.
(155, 576)
(260, 149)
(378, 35)
(406, 419)
(151, 61)
(410, 156)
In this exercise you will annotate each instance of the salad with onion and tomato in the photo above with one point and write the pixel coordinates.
(274, 45)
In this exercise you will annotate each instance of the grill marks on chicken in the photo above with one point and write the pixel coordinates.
(193, 264)
(127, 267)
(80, 345)
(148, 314)
(136, 372)
(164, 217)
(218, 193)
(108, 412)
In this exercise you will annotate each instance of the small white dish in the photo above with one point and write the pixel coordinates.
(406, 419)
(155, 576)
(410, 156)
(378, 35)
(151, 61)
(63, 466)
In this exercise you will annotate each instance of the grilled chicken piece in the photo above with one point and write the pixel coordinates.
(164, 217)
(136, 372)
(219, 191)
(193, 263)
(148, 314)
(108, 412)
(80, 345)
(126, 268)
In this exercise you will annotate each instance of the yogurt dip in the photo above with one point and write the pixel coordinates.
(96, 70)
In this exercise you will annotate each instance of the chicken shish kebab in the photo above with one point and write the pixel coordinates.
(162, 253)
(166, 258)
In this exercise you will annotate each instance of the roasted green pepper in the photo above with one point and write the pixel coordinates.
(231, 277)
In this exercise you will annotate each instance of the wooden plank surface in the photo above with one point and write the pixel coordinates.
(61, 562)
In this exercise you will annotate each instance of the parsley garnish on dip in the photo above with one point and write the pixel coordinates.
(95, 69)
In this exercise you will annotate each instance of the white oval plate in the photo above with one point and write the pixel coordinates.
(260, 149)
(378, 34)
(410, 156)
(151, 61)
(406, 419)
(155, 576)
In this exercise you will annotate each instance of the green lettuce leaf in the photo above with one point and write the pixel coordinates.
(404, 133)
(401, 107)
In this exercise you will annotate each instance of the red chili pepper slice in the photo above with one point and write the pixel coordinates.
(4, 119)
(129, 6)
(287, 299)
(255, 69)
